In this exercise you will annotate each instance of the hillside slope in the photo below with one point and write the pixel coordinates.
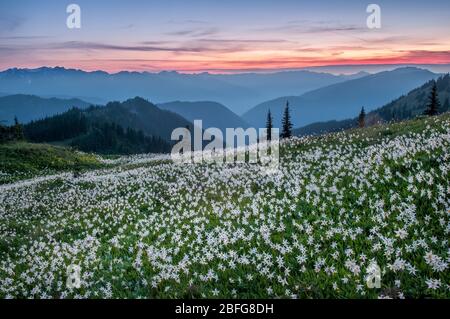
(20, 160)
(30, 107)
(342, 100)
(140, 114)
(404, 107)
(340, 205)
(211, 113)
(92, 132)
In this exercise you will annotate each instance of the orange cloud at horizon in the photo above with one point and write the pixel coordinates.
(245, 63)
(224, 56)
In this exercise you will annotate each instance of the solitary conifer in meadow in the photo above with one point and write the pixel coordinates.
(269, 126)
(18, 130)
(77, 170)
(394, 116)
(362, 118)
(433, 102)
(3, 132)
(286, 123)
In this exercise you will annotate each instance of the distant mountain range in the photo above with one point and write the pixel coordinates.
(239, 92)
(342, 100)
(376, 68)
(339, 103)
(404, 107)
(211, 113)
(30, 107)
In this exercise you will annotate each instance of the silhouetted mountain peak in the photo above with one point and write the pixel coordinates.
(45, 70)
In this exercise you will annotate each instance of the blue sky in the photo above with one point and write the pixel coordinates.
(221, 36)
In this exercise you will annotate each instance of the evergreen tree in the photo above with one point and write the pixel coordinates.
(3, 132)
(269, 126)
(433, 102)
(362, 118)
(286, 123)
(77, 169)
(18, 130)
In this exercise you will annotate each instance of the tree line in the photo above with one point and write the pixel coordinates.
(111, 138)
(76, 129)
(11, 133)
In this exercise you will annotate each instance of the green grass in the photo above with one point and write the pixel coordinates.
(150, 201)
(19, 160)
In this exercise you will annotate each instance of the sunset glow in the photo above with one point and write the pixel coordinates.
(221, 38)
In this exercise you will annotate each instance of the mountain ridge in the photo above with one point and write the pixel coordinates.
(402, 108)
(341, 100)
(28, 107)
(237, 91)
(212, 114)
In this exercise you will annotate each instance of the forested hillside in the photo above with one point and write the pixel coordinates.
(81, 130)
(405, 107)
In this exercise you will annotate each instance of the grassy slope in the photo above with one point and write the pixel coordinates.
(310, 283)
(23, 160)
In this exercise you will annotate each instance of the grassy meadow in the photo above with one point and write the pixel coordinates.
(144, 227)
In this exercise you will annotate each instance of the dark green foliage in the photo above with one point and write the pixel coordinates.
(91, 134)
(77, 168)
(415, 102)
(269, 126)
(110, 138)
(11, 133)
(286, 123)
(362, 118)
(57, 128)
(433, 102)
(18, 130)
(6, 134)
(140, 114)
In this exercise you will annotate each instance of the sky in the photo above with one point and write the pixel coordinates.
(221, 36)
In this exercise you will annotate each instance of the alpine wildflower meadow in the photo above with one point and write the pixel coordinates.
(145, 227)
